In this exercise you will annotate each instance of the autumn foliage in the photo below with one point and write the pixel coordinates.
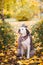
(7, 36)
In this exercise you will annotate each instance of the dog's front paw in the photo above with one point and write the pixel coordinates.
(19, 58)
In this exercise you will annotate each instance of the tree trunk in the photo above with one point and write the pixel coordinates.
(2, 13)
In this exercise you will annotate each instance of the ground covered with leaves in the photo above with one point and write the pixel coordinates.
(8, 57)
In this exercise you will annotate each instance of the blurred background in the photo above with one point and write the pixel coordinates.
(14, 13)
(21, 10)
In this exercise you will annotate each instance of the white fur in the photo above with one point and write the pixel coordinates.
(23, 31)
(26, 45)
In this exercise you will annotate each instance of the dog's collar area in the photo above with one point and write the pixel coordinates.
(24, 37)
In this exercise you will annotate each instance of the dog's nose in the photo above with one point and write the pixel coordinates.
(19, 31)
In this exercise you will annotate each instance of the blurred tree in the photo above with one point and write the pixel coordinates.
(1, 9)
(37, 32)
(20, 9)
(7, 36)
(37, 36)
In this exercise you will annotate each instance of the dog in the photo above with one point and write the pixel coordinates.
(25, 46)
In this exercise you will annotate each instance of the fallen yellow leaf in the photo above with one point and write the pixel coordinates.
(2, 54)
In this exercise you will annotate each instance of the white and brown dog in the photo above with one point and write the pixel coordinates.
(25, 42)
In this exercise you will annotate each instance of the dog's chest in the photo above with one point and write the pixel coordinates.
(26, 43)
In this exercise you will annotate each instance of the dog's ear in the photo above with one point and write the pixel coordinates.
(27, 31)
